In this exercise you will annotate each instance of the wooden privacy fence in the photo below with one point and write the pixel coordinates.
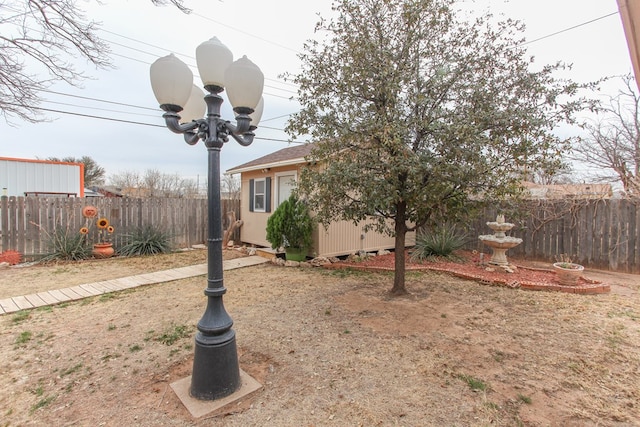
(26, 222)
(595, 233)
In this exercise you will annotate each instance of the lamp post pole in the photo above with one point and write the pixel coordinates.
(216, 372)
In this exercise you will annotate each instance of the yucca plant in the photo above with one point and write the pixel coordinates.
(442, 242)
(65, 245)
(147, 240)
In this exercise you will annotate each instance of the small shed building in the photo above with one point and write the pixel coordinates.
(268, 181)
(28, 177)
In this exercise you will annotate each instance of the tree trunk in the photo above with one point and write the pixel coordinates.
(400, 238)
(233, 225)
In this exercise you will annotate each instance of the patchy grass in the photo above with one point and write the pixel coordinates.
(70, 370)
(42, 403)
(23, 338)
(170, 335)
(474, 384)
(524, 399)
(20, 316)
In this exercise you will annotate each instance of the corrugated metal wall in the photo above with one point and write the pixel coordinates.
(20, 177)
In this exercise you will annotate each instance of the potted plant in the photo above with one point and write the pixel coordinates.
(102, 248)
(291, 227)
(567, 271)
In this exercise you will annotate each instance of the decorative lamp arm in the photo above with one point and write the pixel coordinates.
(245, 139)
(173, 123)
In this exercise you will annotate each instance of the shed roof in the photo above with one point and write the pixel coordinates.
(287, 156)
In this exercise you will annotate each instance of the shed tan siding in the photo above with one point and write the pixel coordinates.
(341, 238)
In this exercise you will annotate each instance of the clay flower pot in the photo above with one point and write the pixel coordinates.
(568, 273)
(102, 250)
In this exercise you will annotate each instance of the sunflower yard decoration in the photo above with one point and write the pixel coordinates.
(103, 247)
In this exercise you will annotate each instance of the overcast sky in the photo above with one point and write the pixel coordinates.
(271, 33)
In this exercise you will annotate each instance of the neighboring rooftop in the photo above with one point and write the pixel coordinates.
(561, 191)
(287, 156)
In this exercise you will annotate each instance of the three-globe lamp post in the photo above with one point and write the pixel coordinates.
(216, 372)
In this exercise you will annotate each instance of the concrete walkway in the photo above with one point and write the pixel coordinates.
(26, 302)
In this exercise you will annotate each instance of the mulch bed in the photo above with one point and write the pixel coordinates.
(471, 267)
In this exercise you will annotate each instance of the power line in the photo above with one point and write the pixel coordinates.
(568, 29)
(98, 100)
(97, 108)
(246, 33)
(264, 93)
(181, 54)
(90, 116)
(71, 113)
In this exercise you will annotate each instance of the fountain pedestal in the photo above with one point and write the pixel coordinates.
(499, 242)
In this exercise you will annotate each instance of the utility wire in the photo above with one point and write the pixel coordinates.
(165, 50)
(246, 33)
(97, 108)
(129, 105)
(90, 116)
(568, 29)
(264, 93)
(71, 113)
(98, 100)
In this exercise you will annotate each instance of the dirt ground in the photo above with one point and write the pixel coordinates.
(330, 347)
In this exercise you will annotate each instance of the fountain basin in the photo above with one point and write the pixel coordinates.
(500, 227)
(494, 241)
(500, 246)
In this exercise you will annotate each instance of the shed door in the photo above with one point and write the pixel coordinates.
(286, 183)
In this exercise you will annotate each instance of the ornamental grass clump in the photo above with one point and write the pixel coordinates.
(440, 242)
(147, 240)
(63, 244)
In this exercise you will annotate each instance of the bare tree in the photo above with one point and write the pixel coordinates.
(38, 38)
(125, 180)
(231, 186)
(154, 183)
(613, 144)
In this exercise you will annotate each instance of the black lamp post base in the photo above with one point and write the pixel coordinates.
(216, 371)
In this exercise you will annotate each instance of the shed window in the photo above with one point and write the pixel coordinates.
(260, 195)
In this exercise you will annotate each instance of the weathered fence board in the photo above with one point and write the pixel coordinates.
(27, 222)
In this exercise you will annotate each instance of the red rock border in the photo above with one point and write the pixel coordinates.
(590, 288)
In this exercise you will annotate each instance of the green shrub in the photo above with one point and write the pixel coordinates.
(441, 242)
(290, 225)
(65, 245)
(147, 240)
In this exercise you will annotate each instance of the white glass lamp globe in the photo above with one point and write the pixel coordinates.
(244, 84)
(171, 81)
(195, 107)
(213, 59)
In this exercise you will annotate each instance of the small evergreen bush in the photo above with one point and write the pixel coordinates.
(290, 225)
(440, 242)
(147, 240)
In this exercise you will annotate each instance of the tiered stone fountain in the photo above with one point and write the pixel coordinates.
(499, 242)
